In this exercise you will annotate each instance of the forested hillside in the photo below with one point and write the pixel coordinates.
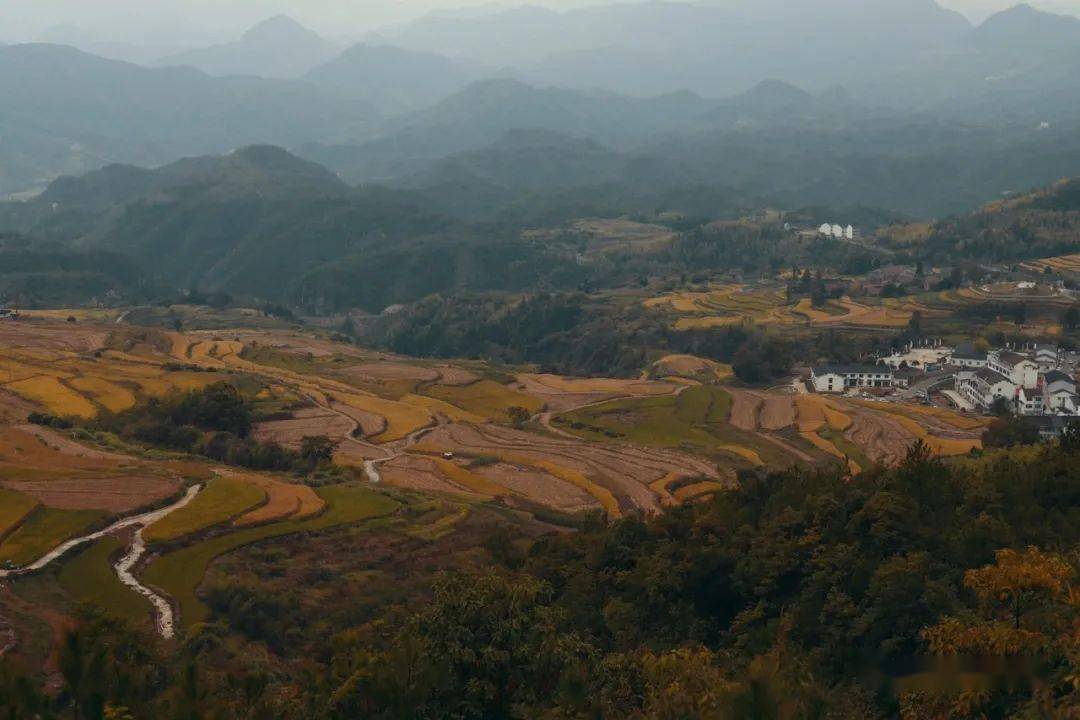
(798, 594)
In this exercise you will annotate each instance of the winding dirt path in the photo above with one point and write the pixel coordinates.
(164, 619)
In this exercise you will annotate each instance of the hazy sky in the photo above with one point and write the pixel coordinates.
(190, 20)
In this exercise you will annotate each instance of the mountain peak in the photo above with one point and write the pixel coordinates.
(278, 28)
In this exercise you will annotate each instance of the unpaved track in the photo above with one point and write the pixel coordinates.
(164, 619)
(134, 521)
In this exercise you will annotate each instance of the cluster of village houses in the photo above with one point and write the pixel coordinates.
(1037, 381)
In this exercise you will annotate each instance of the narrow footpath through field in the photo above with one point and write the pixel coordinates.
(164, 620)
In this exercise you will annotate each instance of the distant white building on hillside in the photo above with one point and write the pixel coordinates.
(839, 232)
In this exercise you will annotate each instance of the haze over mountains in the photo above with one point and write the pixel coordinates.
(731, 93)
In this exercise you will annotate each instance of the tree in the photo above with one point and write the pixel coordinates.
(1010, 431)
(1070, 439)
(317, 449)
(1071, 319)
(1020, 313)
(915, 326)
(518, 415)
(1021, 599)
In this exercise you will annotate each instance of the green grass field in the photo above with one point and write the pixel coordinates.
(485, 398)
(89, 577)
(853, 451)
(221, 500)
(14, 506)
(180, 573)
(43, 530)
(696, 420)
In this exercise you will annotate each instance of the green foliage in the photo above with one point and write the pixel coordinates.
(215, 422)
(90, 577)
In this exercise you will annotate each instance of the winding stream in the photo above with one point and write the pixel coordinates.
(164, 619)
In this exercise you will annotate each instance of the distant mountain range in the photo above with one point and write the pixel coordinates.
(278, 48)
(76, 112)
(867, 74)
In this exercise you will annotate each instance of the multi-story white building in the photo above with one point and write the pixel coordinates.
(1019, 369)
(1047, 357)
(1030, 402)
(1061, 393)
(984, 386)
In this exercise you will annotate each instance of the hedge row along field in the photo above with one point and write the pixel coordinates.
(180, 573)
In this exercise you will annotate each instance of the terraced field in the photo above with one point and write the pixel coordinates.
(443, 431)
(732, 305)
(44, 529)
(89, 577)
(179, 573)
(1066, 264)
(223, 500)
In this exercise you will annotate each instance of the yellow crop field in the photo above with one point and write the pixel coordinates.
(602, 494)
(697, 490)
(660, 487)
(402, 419)
(486, 398)
(183, 381)
(946, 447)
(284, 500)
(470, 480)
(223, 499)
(14, 507)
(810, 411)
(44, 529)
(744, 452)
(691, 366)
(837, 420)
(107, 394)
(806, 307)
(957, 420)
(707, 323)
(440, 407)
(59, 399)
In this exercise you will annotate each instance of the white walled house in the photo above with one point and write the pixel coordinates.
(838, 378)
(1060, 391)
(967, 357)
(1020, 370)
(1047, 357)
(1030, 402)
(984, 386)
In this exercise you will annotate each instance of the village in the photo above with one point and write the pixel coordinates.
(1035, 380)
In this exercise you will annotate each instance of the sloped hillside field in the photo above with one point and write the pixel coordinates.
(106, 504)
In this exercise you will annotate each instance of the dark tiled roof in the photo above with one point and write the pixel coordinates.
(991, 376)
(1057, 376)
(850, 369)
(1011, 358)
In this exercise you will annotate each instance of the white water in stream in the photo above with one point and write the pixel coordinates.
(163, 610)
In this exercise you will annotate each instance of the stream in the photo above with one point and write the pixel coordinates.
(164, 619)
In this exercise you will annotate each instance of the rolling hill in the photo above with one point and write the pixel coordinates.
(389, 78)
(77, 112)
(278, 47)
